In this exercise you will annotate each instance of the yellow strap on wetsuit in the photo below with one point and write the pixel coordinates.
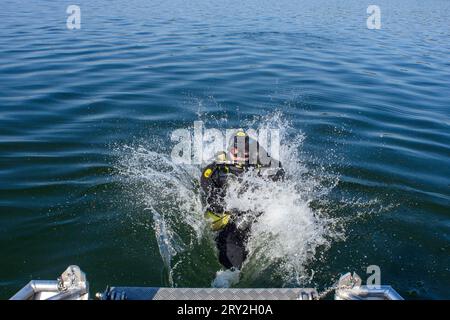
(217, 221)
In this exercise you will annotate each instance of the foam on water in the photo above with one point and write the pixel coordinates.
(226, 278)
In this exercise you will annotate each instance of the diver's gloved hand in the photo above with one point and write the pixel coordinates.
(245, 219)
(279, 175)
(274, 174)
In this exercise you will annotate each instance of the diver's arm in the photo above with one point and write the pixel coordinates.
(280, 173)
(272, 167)
(212, 184)
(273, 173)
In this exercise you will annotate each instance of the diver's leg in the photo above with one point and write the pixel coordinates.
(231, 243)
(221, 241)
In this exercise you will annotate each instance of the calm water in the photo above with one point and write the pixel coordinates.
(85, 113)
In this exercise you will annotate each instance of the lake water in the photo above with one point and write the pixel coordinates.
(86, 117)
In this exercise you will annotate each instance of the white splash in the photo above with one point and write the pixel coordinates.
(287, 232)
(168, 191)
(285, 237)
(226, 278)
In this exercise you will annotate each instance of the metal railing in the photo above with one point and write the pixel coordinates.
(72, 285)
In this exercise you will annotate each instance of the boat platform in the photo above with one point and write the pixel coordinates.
(73, 285)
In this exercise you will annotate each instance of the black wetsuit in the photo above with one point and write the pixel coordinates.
(231, 240)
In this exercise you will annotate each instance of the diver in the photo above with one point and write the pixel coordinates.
(231, 236)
